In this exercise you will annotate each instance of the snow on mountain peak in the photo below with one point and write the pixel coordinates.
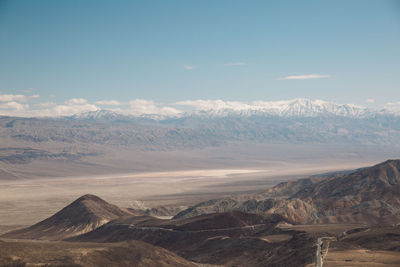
(100, 114)
(299, 107)
(294, 107)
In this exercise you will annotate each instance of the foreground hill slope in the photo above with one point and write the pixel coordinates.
(83, 215)
(132, 253)
(369, 195)
(375, 246)
(228, 239)
(179, 233)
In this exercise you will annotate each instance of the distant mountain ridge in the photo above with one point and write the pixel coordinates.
(199, 131)
(290, 108)
(217, 109)
(293, 121)
(100, 114)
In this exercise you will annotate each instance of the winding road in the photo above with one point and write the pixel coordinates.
(154, 228)
(319, 254)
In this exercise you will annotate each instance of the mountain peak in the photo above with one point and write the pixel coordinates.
(299, 107)
(100, 114)
(388, 162)
(89, 197)
(83, 215)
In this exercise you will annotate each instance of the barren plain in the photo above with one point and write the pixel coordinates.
(26, 201)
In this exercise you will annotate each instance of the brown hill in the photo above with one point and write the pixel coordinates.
(373, 238)
(293, 210)
(370, 195)
(366, 246)
(234, 219)
(228, 239)
(52, 254)
(179, 233)
(83, 215)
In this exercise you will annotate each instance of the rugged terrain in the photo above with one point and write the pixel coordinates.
(229, 239)
(351, 213)
(57, 254)
(367, 246)
(370, 195)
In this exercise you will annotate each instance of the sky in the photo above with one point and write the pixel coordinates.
(65, 57)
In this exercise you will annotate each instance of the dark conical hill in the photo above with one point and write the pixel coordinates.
(83, 215)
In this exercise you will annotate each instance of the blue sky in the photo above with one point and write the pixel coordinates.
(168, 51)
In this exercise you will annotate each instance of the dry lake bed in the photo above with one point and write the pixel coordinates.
(25, 202)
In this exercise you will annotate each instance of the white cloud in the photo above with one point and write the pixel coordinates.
(51, 109)
(235, 64)
(393, 107)
(305, 77)
(108, 102)
(14, 106)
(19, 98)
(71, 107)
(188, 67)
(76, 101)
(214, 104)
(46, 104)
(370, 100)
(147, 107)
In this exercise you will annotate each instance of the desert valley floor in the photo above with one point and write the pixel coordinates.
(26, 201)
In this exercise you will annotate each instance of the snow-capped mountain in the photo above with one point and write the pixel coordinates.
(288, 108)
(100, 115)
(218, 108)
(309, 108)
(213, 122)
(94, 115)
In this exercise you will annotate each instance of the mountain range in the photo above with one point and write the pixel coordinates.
(293, 121)
(369, 195)
(299, 121)
(217, 108)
